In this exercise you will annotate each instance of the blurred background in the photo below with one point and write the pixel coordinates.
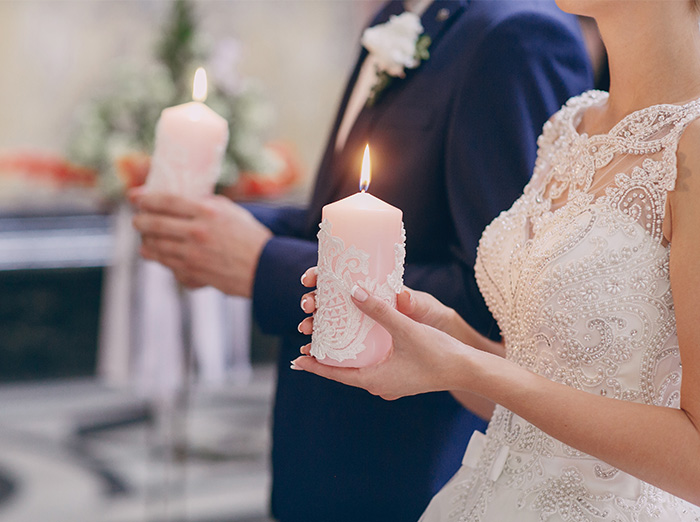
(97, 421)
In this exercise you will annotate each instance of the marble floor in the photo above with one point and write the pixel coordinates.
(76, 451)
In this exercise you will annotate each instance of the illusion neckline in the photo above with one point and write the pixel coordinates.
(598, 98)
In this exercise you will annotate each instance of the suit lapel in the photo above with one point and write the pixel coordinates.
(439, 16)
(436, 20)
(391, 8)
(327, 183)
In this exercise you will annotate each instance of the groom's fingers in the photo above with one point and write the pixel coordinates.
(167, 204)
(392, 320)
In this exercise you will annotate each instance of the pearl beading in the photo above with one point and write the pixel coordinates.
(582, 296)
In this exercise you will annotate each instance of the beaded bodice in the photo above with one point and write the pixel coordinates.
(576, 274)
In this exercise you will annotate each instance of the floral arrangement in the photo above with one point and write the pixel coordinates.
(394, 46)
(114, 134)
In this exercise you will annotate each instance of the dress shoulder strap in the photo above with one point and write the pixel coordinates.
(686, 115)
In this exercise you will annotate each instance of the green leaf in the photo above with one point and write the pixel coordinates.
(176, 47)
(383, 81)
(422, 46)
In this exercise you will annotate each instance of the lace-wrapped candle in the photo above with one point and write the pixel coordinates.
(361, 241)
(190, 143)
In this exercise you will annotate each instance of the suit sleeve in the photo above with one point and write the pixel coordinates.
(277, 288)
(527, 66)
(282, 221)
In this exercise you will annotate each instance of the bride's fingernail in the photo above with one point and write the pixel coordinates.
(303, 303)
(299, 328)
(294, 366)
(359, 294)
(411, 300)
(303, 278)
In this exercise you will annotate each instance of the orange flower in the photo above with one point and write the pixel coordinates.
(47, 168)
(253, 185)
(133, 168)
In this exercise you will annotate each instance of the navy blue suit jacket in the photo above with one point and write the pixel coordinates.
(453, 144)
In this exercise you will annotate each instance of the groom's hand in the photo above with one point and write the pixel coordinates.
(208, 241)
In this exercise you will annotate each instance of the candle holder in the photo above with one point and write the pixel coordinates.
(342, 334)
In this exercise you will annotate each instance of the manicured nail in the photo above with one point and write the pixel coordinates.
(303, 303)
(303, 278)
(359, 294)
(295, 367)
(410, 297)
(299, 328)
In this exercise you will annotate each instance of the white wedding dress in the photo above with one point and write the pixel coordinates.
(577, 275)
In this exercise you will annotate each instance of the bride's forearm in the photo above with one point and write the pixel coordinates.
(656, 444)
(457, 327)
(478, 405)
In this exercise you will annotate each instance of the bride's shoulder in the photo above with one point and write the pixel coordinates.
(575, 106)
(684, 197)
(586, 99)
(566, 119)
(688, 152)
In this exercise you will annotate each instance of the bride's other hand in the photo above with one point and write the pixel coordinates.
(418, 362)
(419, 306)
(308, 301)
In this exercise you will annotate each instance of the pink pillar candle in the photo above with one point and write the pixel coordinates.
(190, 143)
(361, 242)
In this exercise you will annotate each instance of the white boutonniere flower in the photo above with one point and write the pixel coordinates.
(394, 46)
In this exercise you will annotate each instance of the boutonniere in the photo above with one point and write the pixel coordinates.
(394, 46)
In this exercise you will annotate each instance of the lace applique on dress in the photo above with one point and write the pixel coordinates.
(576, 274)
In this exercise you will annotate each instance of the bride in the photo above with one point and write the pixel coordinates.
(593, 277)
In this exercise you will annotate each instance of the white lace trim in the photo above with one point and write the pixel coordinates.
(340, 329)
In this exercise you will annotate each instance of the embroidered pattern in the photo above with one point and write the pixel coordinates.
(576, 274)
(340, 328)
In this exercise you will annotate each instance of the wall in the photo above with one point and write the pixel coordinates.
(56, 53)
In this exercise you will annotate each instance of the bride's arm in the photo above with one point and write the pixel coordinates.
(656, 444)
(426, 309)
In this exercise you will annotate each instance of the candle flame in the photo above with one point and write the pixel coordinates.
(199, 87)
(366, 175)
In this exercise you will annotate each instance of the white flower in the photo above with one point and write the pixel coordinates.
(640, 280)
(614, 285)
(590, 291)
(568, 299)
(393, 44)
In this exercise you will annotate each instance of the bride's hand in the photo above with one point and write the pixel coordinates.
(422, 358)
(419, 306)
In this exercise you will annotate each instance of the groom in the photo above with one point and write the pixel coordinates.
(454, 144)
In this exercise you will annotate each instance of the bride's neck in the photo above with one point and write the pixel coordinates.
(651, 63)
